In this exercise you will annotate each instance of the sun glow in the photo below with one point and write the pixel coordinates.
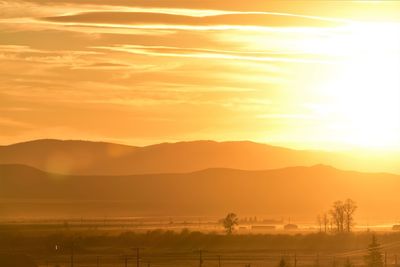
(363, 95)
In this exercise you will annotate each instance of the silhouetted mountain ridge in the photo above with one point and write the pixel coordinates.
(101, 158)
(300, 192)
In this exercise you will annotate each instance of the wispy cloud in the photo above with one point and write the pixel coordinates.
(234, 66)
(233, 19)
(212, 54)
(5, 122)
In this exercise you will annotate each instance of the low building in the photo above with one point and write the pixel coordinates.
(263, 227)
(290, 226)
(396, 227)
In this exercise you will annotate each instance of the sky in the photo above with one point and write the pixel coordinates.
(301, 74)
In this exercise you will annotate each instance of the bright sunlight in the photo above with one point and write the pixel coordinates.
(363, 94)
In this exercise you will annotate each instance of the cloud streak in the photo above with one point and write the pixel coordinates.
(234, 19)
(179, 69)
(213, 54)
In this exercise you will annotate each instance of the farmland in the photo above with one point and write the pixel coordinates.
(115, 242)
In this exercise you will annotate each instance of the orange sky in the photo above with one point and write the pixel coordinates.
(303, 74)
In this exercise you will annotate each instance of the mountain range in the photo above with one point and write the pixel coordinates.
(100, 158)
(298, 192)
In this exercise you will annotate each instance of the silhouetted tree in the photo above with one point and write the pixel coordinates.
(319, 222)
(283, 262)
(374, 257)
(337, 213)
(348, 263)
(349, 208)
(229, 223)
(325, 221)
(342, 214)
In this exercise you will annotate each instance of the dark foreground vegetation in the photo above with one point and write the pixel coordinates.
(185, 248)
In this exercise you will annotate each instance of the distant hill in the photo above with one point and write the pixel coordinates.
(99, 158)
(299, 192)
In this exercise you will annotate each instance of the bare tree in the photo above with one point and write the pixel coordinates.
(337, 213)
(229, 223)
(283, 262)
(325, 221)
(349, 208)
(342, 215)
(348, 263)
(319, 222)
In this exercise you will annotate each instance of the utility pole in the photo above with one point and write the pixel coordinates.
(201, 260)
(72, 254)
(126, 260)
(200, 257)
(137, 256)
(385, 259)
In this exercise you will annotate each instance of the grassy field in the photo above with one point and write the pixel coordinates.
(112, 244)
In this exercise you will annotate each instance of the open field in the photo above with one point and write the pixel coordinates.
(53, 244)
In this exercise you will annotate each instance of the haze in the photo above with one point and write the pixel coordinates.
(183, 133)
(311, 76)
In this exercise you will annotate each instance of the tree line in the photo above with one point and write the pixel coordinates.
(340, 218)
